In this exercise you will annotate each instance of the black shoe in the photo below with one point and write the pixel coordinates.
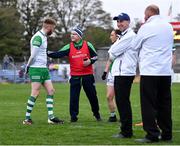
(165, 139)
(75, 119)
(27, 122)
(55, 120)
(112, 119)
(98, 119)
(145, 140)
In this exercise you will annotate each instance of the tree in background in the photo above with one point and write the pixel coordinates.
(32, 13)
(80, 12)
(68, 13)
(137, 25)
(86, 13)
(11, 30)
(97, 36)
(8, 3)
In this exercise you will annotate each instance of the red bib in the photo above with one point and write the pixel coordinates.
(76, 58)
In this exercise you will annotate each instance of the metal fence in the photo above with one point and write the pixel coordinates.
(14, 73)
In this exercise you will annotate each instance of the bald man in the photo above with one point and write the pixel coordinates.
(154, 42)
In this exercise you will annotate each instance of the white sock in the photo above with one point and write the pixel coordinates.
(113, 114)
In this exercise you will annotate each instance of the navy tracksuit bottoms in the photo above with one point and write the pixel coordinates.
(88, 83)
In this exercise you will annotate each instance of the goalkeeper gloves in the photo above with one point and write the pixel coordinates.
(104, 75)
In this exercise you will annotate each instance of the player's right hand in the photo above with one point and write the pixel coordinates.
(104, 75)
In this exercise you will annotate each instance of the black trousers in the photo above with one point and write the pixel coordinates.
(122, 86)
(88, 83)
(155, 92)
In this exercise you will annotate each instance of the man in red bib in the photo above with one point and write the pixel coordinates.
(81, 55)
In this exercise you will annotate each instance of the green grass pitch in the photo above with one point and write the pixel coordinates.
(86, 131)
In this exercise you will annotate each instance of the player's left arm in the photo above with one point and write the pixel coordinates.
(34, 51)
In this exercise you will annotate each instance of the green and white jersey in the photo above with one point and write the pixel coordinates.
(38, 48)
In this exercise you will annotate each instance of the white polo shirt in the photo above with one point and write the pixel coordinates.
(154, 42)
(125, 58)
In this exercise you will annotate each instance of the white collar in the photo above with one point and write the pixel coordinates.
(43, 32)
(125, 31)
(152, 18)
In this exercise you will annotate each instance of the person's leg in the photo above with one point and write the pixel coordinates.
(35, 77)
(148, 94)
(35, 89)
(164, 117)
(110, 98)
(88, 83)
(111, 103)
(122, 86)
(49, 98)
(75, 88)
(50, 103)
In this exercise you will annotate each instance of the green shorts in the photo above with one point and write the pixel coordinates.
(39, 74)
